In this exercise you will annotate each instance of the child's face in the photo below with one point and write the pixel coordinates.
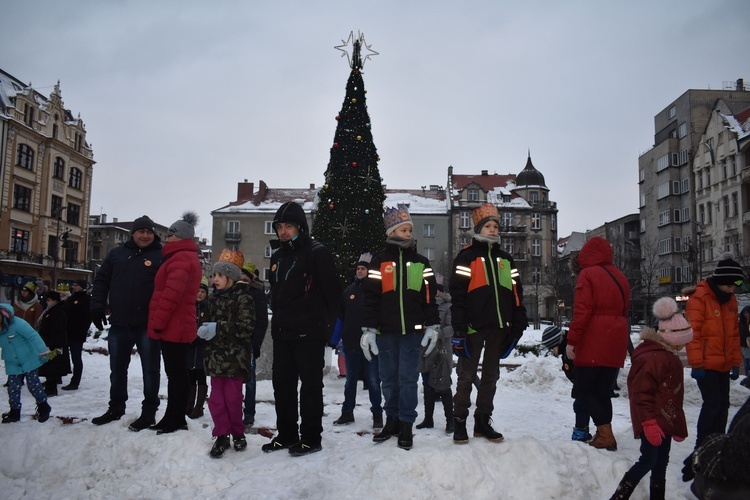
(403, 232)
(221, 282)
(201, 295)
(490, 228)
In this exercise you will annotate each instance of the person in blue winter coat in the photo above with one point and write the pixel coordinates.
(23, 352)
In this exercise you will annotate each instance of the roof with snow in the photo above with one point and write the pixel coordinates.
(271, 200)
(419, 201)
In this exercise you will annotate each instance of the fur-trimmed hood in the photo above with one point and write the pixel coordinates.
(649, 333)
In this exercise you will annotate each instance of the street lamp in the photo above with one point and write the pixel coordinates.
(55, 258)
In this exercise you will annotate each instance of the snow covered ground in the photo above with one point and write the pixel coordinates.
(533, 409)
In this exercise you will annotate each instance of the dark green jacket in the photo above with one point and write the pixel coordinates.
(229, 353)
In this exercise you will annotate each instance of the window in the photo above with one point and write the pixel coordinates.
(708, 176)
(662, 190)
(682, 131)
(269, 228)
(735, 208)
(428, 230)
(536, 220)
(75, 178)
(676, 216)
(699, 180)
(725, 201)
(71, 252)
(677, 245)
(685, 214)
(472, 195)
(22, 198)
(55, 206)
(508, 245)
(733, 165)
(58, 170)
(96, 253)
(685, 185)
(709, 212)
(79, 142)
(268, 252)
(463, 240)
(25, 157)
(642, 200)
(701, 214)
(672, 112)
(534, 198)
(662, 162)
(678, 274)
(19, 242)
(641, 175)
(642, 227)
(73, 214)
(536, 275)
(429, 253)
(664, 218)
(266, 274)
(665, 246)
(675, 187)
(724, 170)
(28, 115)
(507, 219)
(536, 247)
(465, 222)
(553, 222)
(233, 230)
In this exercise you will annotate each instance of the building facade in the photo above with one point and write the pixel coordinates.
(46, 168)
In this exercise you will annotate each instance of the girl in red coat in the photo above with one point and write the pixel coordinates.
(656, 389)
(171, 318)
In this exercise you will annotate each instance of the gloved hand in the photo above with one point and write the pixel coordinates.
(429, 339)
(735, 373)
(99, 318)
(653, 432)
(698, 374)
(570, 352)
(207, 330)
(368, 343)
(460, 347)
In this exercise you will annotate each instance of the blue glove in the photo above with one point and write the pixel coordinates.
(429, 339)
(698, 374)
(510, 349)
(735, 373)
(368, 342)
(207, 331)
(460, 347)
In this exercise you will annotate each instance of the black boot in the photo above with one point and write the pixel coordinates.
(42, 411)
(429, 409)
(624, 489)
(345, 418)
(220, 446)
(447, 398)
(191, 399)
(12, 416)
(50, 387)
(202, 392)
(391, 428)
(658, 489)
(688, 474)
(483, 428)
(460, 435)
(405, 436)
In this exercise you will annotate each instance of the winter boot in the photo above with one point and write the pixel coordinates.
(197, 412)
(377, 420)
(483, 428)
(145, 421)
(12, 416)
(345, 418)
(50, 387)
(240, 443)
(447, 399)
(391, 429)
(581, 434)
(688, 473)
(429, 409)
(460, 435)
(624, 489)
(658, 489)
(604, 438)
(42, 411)
(405, 436)
(220, 446)
(190, 400)
(108, 416)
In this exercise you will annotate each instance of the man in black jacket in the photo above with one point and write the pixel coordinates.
(305, 294)
(126, 279)
(78, 306)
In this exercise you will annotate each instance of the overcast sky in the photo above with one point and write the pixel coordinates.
(183, 99)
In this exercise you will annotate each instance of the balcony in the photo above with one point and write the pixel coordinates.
(232, 237)
(512, 229)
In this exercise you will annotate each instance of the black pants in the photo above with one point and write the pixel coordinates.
(593, 385)
(297, 361)
(175, 366)
(76, 351)
(715, 410)
(493, 342)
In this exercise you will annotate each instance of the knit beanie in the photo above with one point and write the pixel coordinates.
(674, 328)
(551, 336)
(229, 264)
(292, 213)
(30, 286)
(483, 215)
(143, 222)
(52, 294)
(185, 227)
(728, 272)
(82, 283)
(396, 217)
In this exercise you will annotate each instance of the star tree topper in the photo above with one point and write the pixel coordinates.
(356, 45)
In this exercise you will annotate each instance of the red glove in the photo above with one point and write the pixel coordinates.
(678, 439)
(653, 432)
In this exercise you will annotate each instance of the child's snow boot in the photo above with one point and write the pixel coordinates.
(12, 416)
(42, 411)
(429, 409)
(220, 446)
(405, 436)
(624, 489)
(460, 436)
(447, 398)
(483, 428)
(658, 489)
(581, 434)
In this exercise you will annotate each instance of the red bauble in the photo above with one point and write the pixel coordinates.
(354, 164)
(337, 117)
(335, 144)
(330, 206)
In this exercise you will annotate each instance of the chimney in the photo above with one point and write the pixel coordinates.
(244, 191)
(114, 220)
(740, 84)
(312, 185)
(484, 172)
(104, 219)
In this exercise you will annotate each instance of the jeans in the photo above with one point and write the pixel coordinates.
(653, 459)
(76, 350)
(593, 386)
(398, 360)
(490, 340)
(355, 363)
(225, 405)
(121, 341)
(296, 361)
(715, 410)
(250, 392)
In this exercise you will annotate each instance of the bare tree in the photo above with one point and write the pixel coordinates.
(651, 262)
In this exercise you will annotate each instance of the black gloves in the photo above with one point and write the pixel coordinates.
(99, 318)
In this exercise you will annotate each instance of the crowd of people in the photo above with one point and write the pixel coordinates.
(394, 322)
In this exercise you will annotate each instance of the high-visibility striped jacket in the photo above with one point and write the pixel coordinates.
(486, 291)
(399, 292)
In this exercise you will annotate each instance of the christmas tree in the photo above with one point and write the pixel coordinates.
(349, 218)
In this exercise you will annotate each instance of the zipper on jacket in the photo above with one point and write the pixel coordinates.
(401, 289)
(494, 285)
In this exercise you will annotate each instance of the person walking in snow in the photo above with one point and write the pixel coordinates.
(78, 307)
(656, 389)
(488, 315)
(400, 317)
(23, 352)
(598, 335)
(27, 305)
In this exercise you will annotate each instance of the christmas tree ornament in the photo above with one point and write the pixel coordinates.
(354, 164)
(359, 137)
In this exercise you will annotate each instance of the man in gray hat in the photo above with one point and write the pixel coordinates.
(126, 281)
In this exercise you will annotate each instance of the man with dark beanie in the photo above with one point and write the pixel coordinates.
(714, 353)
(126, 280)
(305, 293)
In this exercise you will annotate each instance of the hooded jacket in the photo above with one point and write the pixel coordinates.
(171, 314)
(716, 330)
(305, 288)
(126, 280)
(656, 387)
(53, 328)
(229, 353)
(78, 307)
(21, 345)
(599, 330)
